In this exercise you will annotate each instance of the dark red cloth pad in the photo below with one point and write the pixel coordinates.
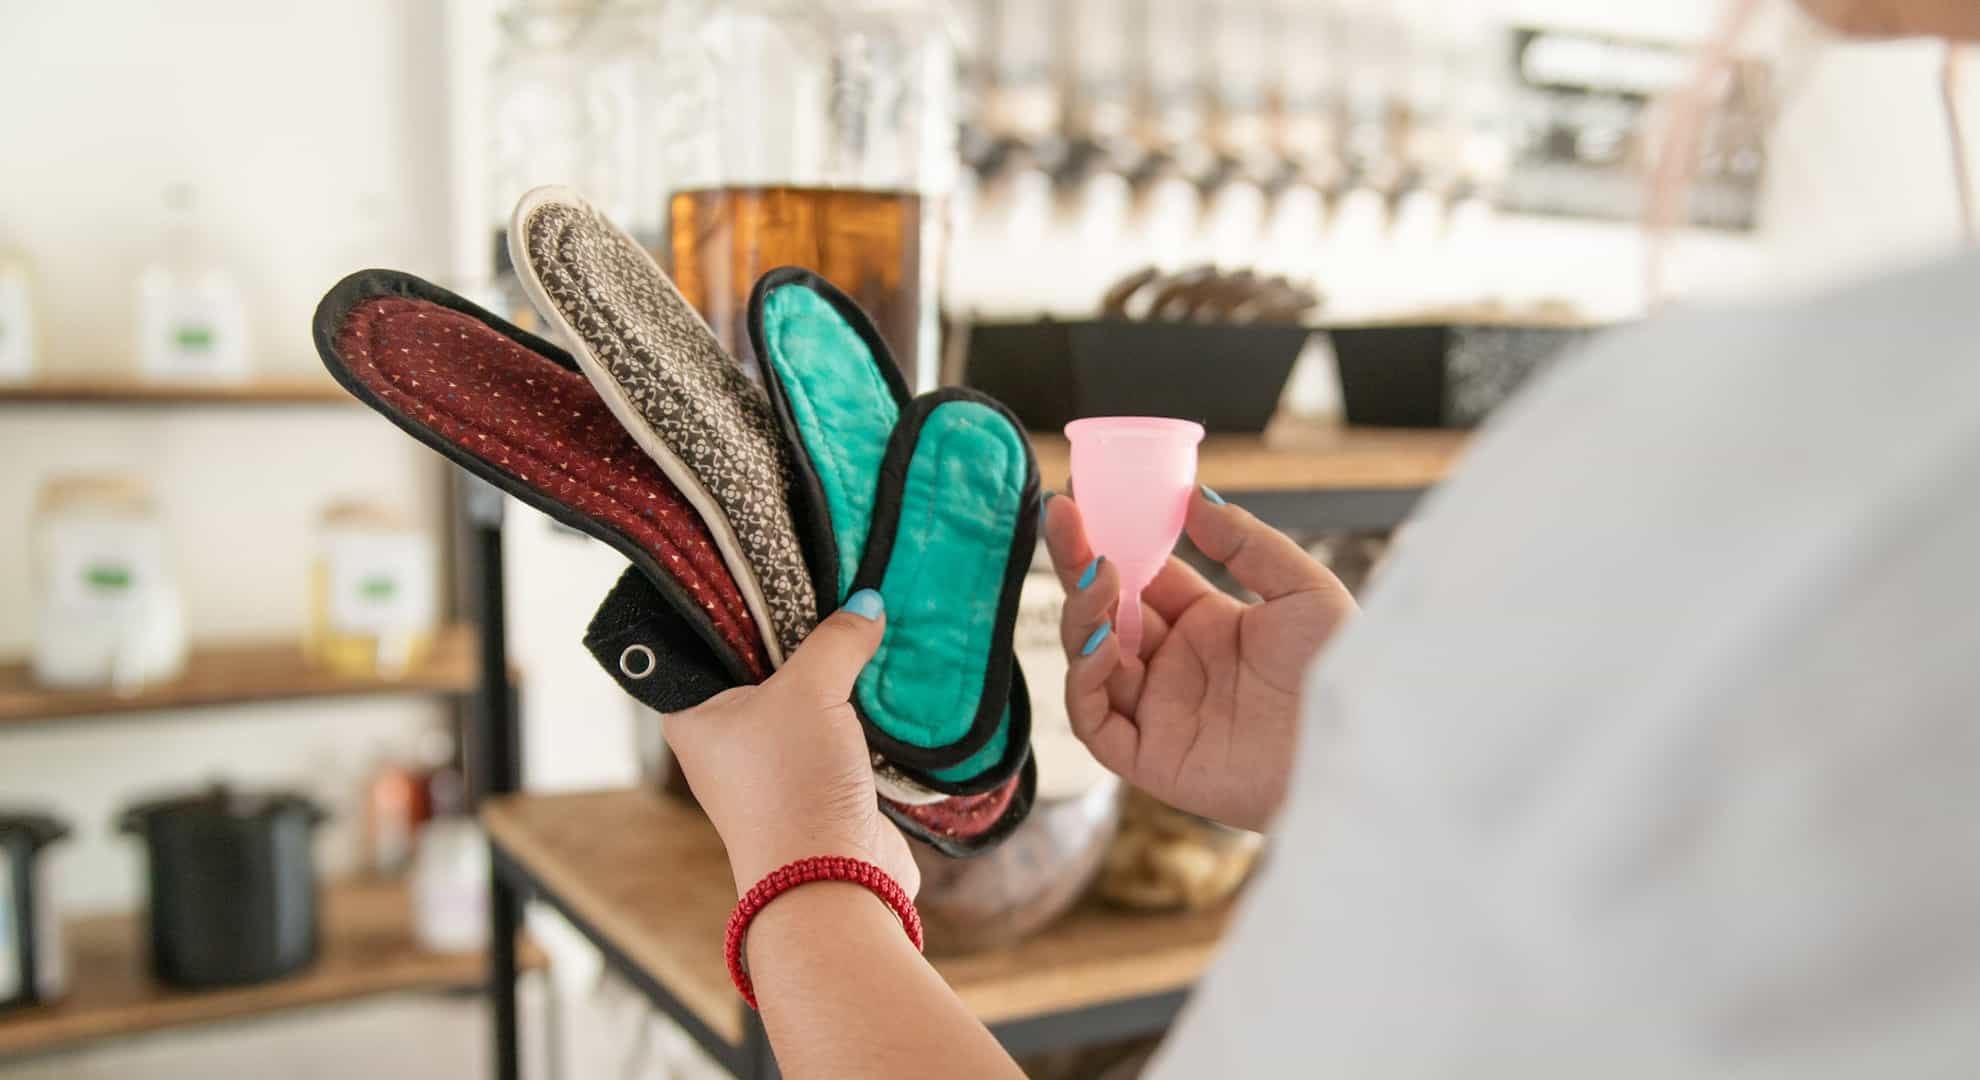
(962, 816)
(544, 425)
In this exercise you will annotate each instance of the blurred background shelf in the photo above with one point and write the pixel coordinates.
(125, 390)
(222, 674)
(1298, 455)
(367, 948)
(1306, 475)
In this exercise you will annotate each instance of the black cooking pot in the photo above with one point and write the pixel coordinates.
(233, 885)
(30, 935)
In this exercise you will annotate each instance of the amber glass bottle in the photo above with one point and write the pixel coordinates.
(865, 242)
(818, 134)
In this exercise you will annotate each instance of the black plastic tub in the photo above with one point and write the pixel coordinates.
(1227, 378)
(232, 884)
(1435, 375)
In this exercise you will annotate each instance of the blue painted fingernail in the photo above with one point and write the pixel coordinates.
(1044, 506)
(866, 604)
(1215, 499)
(1092, 571)
(1099, 636)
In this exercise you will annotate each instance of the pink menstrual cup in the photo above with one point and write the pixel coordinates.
(1132, 477)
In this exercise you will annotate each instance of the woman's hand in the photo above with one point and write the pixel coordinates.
(1205, 718)
(782, 767)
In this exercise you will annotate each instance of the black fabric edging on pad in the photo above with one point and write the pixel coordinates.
(684, 672)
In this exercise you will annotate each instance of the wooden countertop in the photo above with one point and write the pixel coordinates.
(648, 874)
(1298, 455)
(367, 948)
(230, 673)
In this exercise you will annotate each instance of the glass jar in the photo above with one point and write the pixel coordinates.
(539, 125)
(191, 315)
(1165, 859)
(814, 134)
(576, 86)
(371, 592)
(110, 611)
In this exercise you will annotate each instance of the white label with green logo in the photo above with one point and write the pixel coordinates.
(98, 575)
(16, 329)
(379, 583)
(191, 328)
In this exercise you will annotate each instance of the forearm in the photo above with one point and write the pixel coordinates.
(844, 993)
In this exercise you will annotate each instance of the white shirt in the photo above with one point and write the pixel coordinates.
(1656, 749)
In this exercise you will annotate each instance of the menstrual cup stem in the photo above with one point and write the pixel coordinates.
(1127, 623)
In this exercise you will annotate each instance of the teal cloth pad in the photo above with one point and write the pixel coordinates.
(959, 508)
(843, 408)
(953, 530)
(927, 500)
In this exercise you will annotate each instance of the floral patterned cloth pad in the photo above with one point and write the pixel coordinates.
(669, 382)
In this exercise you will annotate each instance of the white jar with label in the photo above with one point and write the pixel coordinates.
(372, 591)
(17, 342)
(191, 320)
(110, 609)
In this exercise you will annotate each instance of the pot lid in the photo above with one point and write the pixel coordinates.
(29, 829)
(220, 802)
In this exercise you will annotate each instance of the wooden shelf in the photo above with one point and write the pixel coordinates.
(129, 390)
(648, 876)
(367, 949)
(224, 674)
(1298, 456)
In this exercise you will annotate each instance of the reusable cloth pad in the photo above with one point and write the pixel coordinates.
(933, 502)
(640, 640)
(512, 409)
(667, 380)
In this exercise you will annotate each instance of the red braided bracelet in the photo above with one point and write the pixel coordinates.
(803, 872)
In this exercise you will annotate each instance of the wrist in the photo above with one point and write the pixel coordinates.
(787, 925)
(844, 899)
(752, 861)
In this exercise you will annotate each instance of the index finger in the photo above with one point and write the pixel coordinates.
(1065, 537)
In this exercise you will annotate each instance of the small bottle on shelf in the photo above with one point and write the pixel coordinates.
(191, 320)
(450, 862)
(395, 805)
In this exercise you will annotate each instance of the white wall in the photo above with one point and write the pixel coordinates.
(281, 115)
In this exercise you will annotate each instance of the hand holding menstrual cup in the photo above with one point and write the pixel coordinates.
(1132, 476)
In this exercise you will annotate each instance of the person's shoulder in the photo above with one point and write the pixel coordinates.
(1859, 360)
(1920, 314)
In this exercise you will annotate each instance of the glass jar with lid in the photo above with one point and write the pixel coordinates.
(575, 87)
(371, 591)
(109, 609)
(814, 133)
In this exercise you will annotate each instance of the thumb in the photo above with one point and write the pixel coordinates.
(1261, 558)
(824, 667)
